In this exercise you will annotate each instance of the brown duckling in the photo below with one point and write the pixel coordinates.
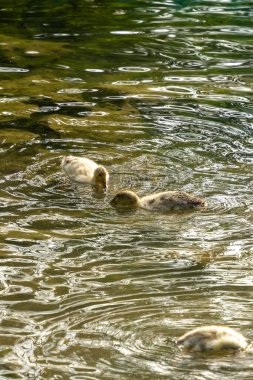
(165, 201)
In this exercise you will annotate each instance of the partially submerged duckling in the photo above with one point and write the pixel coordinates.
(212, 338)
(165, 201)
(84, 170)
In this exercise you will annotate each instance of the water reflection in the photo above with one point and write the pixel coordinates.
(159, 93)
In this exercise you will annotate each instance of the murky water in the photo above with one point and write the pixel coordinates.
(160, 92)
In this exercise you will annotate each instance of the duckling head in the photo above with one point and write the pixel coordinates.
(125, 198)
(100, 178)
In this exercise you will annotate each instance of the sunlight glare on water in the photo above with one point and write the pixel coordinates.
(160, 93)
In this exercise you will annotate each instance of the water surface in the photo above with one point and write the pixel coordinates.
(160, 92)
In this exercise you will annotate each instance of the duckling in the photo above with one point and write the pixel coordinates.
(84, 170)
(212, 338)
(165, 201)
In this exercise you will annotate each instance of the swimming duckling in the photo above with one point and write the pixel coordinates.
(84, 170)
(212, 338)
(165, 201)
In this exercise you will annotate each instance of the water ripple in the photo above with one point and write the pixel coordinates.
(13, 70)
(161, 95)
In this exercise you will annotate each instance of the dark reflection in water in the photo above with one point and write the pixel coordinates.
(159, 92)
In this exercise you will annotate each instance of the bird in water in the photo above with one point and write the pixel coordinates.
(165, 201)
(84, 170)
(212, 338)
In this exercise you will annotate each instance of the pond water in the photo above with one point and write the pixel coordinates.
(160, 92)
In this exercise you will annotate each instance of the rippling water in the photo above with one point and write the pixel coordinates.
(160, 92)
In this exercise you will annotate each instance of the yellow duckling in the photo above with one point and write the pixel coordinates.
(165, 201)
(212, 338)
(84, 170)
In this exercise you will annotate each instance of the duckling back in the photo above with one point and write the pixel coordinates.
(75, 167)
(171, 200)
